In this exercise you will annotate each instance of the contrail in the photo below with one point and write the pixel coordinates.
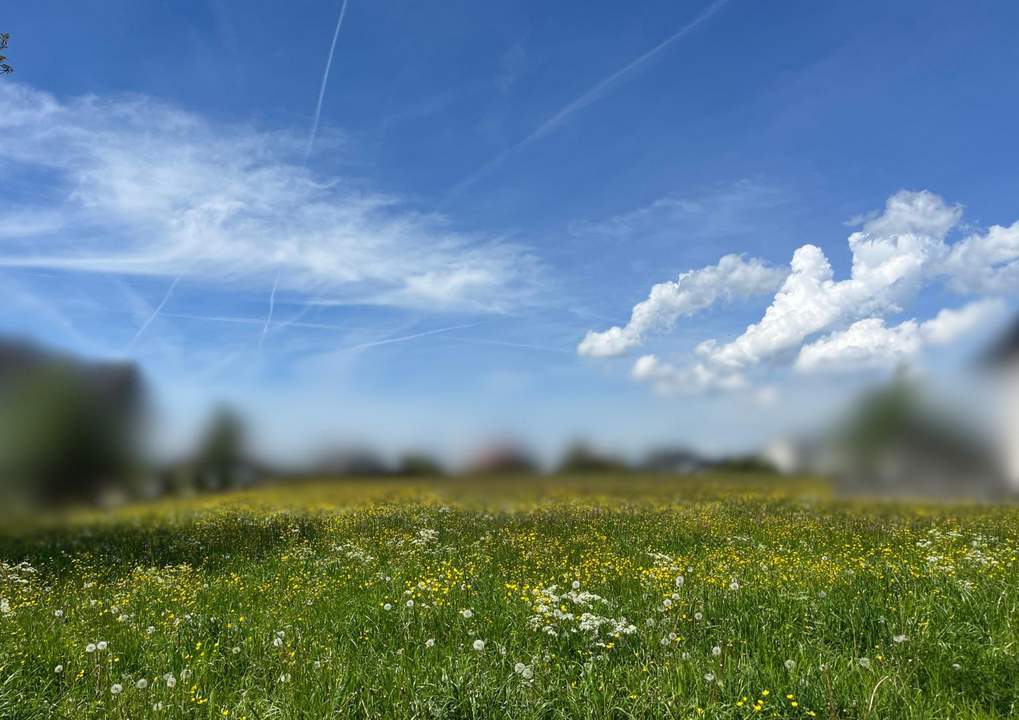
(325, 79)
(155, 313)
(595, 93)
(268, 317)
(404, 338)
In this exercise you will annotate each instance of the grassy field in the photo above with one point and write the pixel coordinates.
(605, 597)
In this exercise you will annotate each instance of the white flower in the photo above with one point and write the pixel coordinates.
(158, 707)
(956, 666)
(410, 603)
(664, 641)
(317, 665)
(667, 602)
(102, 645)
(710, 677)
(716, 651)
(90, 648)
(468, 614)
(685, 656)
(479, 645)
(900, 638)
(698, 616)
(790, 665)
(142, 684)
(277, 642)
(734, 585)
(822, 594)
(116, 688)
(171, 681)
(236, 649)
(864, 662)
(519, 668)
(285, 678)
(150, 629)
(387, 606)
(185, 674)
(680, 580)
(527, 673)
(576, 585)
(430, 642)
(58, 613)
(58, 669)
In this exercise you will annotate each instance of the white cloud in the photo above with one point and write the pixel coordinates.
(140, 187)
(669, 379)
(895, 254)
(694, 291)
(868, 343)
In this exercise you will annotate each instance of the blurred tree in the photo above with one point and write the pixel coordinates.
(5, 68)
(417, 464)
(67, 432)
(220, 463)
(582, 458)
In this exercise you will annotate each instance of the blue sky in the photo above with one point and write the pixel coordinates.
(491, 189)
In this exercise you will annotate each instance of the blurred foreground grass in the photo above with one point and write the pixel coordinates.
(602, 596)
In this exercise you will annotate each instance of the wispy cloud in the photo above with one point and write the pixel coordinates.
(598, 91)
(325, 81)
(144, 188)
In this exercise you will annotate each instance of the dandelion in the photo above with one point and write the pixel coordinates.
(900, 639)
(150, 629)
(519, 668)
(430, 642)
(317, 665)
(158, 707)
(956, 666)
(116, 689)
(790, 665)
(387, 607)
(864, 662)
(667, 602)
(185, 674)
(236, 649)
(698, 616)
(709, 677)
(58, 613)
(685, 656)
(142, 684)
(479, 645)
(527, 673)
(716, 651)
(410, 603)
(102, 645)
(665, 641)
(58, 669)
(285, 678)
(278, 642)
(170, 680)
(90, 648)
(575, 585)
(680, 580)
(734, 585)
(467, 614)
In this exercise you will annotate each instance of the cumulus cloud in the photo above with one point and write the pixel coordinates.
(870, 344)
(135, 186)
(732, 277)
(895, 253)
(667, 378)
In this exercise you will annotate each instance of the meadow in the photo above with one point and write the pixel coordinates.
(599, 597)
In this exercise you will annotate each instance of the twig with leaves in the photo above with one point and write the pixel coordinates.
(5, 68)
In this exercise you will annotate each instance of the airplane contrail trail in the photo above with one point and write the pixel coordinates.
(268, 317)
(584, 100)
(404, 338)
(325, 79)
(155, 313)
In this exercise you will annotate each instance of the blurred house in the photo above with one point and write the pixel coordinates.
(1003, 360)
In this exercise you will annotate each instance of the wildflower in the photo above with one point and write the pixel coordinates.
(170, 680)
(734, 585)
(317, 665)
(410, 603)
(277, 642)
(900, 638)
(665, 641)
(667, 602)
(430, 642)
(185, 674)
(142, 684)
(716, 651)
(790, 665)
(236, 650)
(709, 677)
(90, 648)
(519, 668)
(102, 645)
(150, 629)
(285, 678)
(956, 666)
(479, 645)
(698, 616)
(116, 689)
(468, 614)
(158, 707)
(387, 606)
(680, 580)
(58, 669)
(864, 662)
(527, 673)
(58, 613)
(575, 585)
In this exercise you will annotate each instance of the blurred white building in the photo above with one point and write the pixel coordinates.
(1004, 359)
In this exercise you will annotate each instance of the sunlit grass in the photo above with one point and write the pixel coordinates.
(597, 597)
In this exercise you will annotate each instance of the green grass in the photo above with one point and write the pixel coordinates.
(272, 604)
